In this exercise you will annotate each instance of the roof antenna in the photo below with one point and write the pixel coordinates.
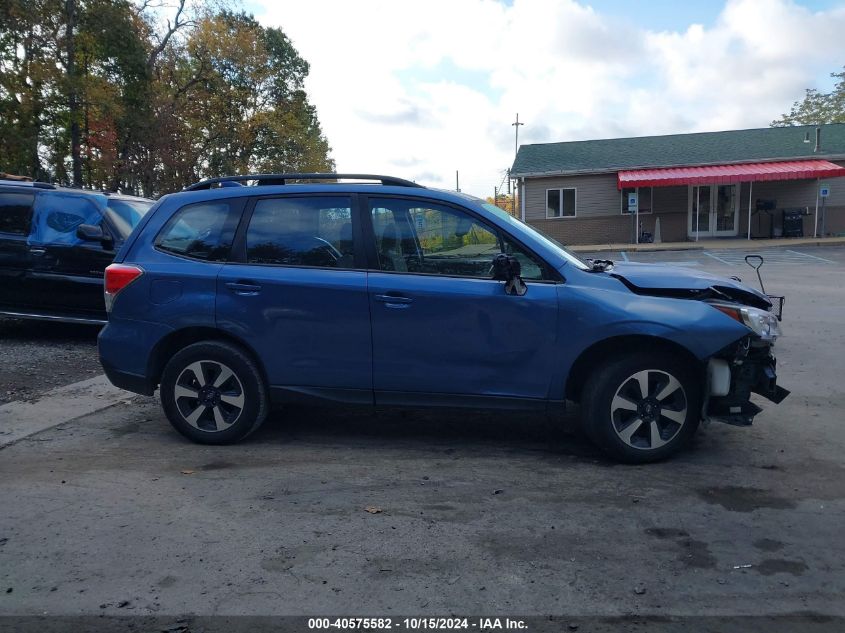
(818, 140)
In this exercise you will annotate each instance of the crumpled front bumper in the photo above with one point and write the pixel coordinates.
(753, 370)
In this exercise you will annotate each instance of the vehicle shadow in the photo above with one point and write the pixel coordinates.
(430, 429)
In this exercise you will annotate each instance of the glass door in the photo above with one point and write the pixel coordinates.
(713, 211)
(725, 210)
(699, 212)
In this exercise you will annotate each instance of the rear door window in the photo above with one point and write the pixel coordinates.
(301, 231)
(16, 212)
(204, 230)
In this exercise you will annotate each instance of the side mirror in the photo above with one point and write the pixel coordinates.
(94, 233)
(508, 269)
(89, 232)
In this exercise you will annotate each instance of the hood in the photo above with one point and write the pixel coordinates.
(682, 282)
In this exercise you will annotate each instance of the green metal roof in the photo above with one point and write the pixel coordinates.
(703, 148)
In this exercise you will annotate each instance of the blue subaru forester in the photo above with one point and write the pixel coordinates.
(242, 292)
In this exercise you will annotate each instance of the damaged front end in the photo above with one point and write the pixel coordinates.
(745, 366)
(748, 366)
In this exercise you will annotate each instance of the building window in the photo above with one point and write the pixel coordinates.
(560, 203)
(645, 195)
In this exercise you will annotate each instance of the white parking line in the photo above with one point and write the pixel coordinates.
(689, 262)
(821, 259)
(718, 258)
(22, 419)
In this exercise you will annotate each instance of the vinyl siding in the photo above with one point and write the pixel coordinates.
(595, 196)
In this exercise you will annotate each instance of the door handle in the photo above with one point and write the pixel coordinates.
(243, 288)
(394, 301)
(37, 251)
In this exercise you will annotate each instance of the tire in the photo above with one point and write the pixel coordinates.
(636, 429)
(213, 393)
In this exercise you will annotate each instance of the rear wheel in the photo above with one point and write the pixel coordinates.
(641, 408)
(213, 393)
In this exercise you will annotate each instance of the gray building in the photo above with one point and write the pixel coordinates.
(700, 186)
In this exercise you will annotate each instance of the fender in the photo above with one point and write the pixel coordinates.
(598, 314)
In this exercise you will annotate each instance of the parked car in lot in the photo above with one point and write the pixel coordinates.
(55, 244)
(231, 298)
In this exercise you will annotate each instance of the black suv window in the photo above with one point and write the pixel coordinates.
(204, 230)
(301, 231)
(58, 214)
(15, 212)
(125, 214)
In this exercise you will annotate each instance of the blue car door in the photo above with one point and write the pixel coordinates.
(442, 327)
(298, 296)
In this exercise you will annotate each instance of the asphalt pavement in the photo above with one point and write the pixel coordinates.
(347, 512)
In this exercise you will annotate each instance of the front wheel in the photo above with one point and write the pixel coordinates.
(641, 408)
(213, 393)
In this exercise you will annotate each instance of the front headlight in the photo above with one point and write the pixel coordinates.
(763, 323)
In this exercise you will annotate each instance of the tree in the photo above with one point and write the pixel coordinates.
(506, 203)
(148, 97)
(817, 107)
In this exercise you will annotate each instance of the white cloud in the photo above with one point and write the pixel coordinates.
(569, 71)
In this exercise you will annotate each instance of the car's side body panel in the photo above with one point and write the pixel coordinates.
(451, 335)
(312, 325)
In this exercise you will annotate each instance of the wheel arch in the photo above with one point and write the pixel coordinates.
(595, 355)
(179, 339)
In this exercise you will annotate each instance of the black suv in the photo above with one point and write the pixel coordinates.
(55, 244)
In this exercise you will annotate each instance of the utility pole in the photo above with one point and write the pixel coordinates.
(516, 125)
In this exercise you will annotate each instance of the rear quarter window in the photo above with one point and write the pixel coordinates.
(15, 212)
(204, 230)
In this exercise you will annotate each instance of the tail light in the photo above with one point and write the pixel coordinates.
(118, 276)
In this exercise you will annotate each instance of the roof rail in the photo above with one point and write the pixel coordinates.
(281, 179)
(27, 183)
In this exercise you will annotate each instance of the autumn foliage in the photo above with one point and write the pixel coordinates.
(149, 98)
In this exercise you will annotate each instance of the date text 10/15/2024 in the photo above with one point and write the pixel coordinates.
(418, 624)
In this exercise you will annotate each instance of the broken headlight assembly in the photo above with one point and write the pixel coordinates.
(762, 322)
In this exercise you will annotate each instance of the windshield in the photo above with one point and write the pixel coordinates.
(125, 214)
(571, 257)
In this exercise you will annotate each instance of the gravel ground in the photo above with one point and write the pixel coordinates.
(38, 356)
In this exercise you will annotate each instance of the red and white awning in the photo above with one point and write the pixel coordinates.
(729, 174)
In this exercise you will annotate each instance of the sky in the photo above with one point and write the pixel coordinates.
(421, 89)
